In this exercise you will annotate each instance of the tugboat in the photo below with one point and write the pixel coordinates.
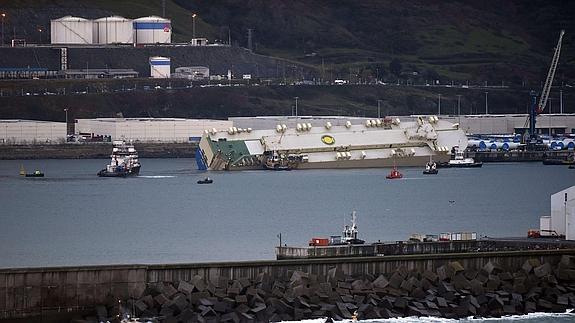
(36, 173)
(348, 237)
(394, 174)
(206, 180)
(124, 161)
(430, 168)
(460, 161)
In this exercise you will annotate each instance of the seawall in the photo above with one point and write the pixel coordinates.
(42, 292)
(95, 150)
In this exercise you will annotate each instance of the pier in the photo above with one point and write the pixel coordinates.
(39, 294)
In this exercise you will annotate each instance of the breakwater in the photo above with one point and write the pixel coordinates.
(449, 285)
(95, 150)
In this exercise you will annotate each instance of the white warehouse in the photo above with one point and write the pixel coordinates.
(17, 131)
(150, 129)
(562, 219)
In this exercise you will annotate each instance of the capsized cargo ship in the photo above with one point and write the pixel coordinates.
(375, 143)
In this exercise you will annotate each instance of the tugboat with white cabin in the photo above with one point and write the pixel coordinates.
(124, 161)
(460, 161)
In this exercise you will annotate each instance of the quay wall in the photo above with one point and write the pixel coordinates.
(94, 150)
(33, 292)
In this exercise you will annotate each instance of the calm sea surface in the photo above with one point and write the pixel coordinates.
(72, 217)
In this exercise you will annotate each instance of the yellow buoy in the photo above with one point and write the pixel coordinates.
(22, 170)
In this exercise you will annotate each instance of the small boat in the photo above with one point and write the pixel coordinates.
(459, 161)
(206, 180)
(36, 173)
(430, 168)
(124, 161)
(394, 174)
(572, 167)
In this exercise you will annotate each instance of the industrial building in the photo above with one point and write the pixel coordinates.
(150, 129)
(555, 124)
(21, 132)
(152, 30)
(160, 67)
(113, 30)
(72, 30)
(562, 219)
(192, 72)
(486, 124)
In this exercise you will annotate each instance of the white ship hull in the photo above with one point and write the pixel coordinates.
(371, 145)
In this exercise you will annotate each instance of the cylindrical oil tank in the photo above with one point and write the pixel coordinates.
(152, 30)
(113, 30)
(71, 30)
(159, 67)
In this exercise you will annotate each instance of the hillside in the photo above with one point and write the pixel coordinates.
(493, 41)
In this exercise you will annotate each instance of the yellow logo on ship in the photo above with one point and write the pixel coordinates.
(328, 140)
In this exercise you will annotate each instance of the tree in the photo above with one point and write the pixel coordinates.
(395, 67)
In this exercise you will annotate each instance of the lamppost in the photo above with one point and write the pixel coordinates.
(561, 101)
(378, 109)
(296, 105)
(194, 25)
(2, 15)
(40, 30)
(439, 104)
(486, 112)
(66, 111)
(459, 109)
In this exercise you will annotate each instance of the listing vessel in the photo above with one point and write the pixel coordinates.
(376, 143)
(460, 161)
(124, 161)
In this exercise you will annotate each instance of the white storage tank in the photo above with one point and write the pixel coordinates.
(152, 30)
(71, 30)
(113, 30)
(159, 67)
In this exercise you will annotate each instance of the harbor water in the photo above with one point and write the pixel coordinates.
(72, 217)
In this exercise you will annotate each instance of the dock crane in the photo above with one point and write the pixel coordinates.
(537, 108)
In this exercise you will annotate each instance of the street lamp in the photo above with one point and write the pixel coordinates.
(2, 15)
(193, 25)
(378, 109)
(459, 108)
(296, 105)
(66, 111)
(486, 102)
(40, 30)
(439, 104)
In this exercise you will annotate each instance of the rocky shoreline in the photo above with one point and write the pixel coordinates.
(450, 291)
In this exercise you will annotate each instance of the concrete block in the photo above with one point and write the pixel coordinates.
(161, 299)
(381, 282)
(185, 287)
(542, 270)
(357, 285)
(460, 282)
(430, 275)
(417, 293)
(231, 317)
(395, 280)
(196, 296)
(442, 273)
(168, 290)
(344, 312)
(456, 266)
(400, 303)
(241, 299)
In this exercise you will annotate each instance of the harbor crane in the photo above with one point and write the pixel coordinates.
(537, 108)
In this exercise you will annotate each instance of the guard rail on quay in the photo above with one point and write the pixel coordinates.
(42, 292)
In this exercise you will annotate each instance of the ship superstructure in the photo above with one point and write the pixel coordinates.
(124, 161)
(375, 143)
